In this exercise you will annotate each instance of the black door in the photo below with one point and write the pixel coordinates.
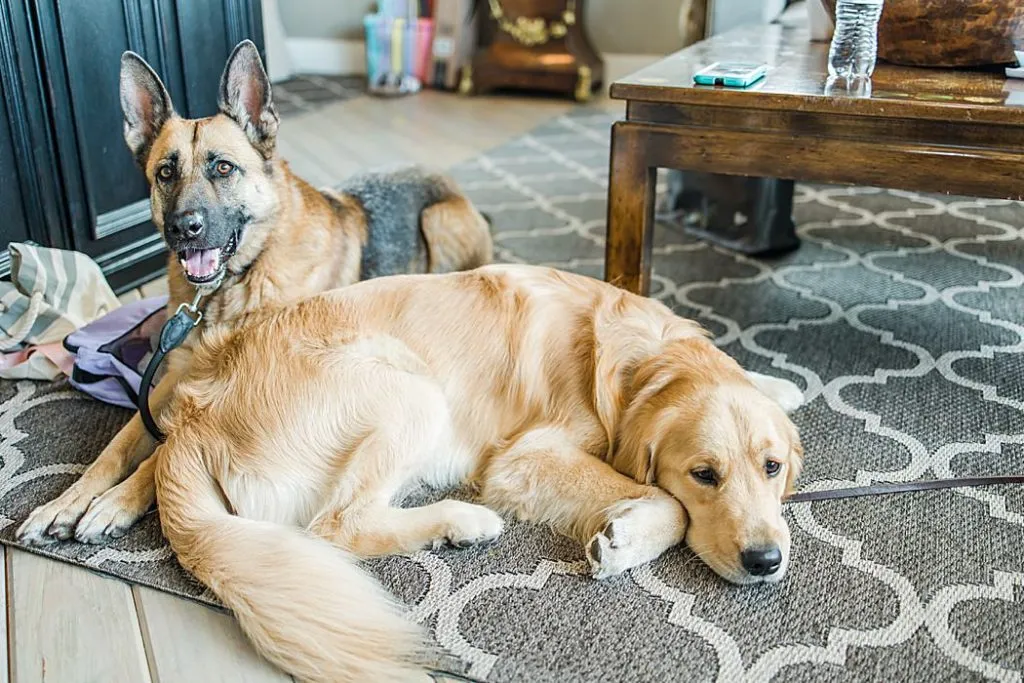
(102, 198)
(29, 186)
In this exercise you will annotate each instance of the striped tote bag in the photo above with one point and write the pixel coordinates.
(51, 293)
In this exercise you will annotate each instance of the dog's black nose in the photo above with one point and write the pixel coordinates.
(186, 225)
(762, 561)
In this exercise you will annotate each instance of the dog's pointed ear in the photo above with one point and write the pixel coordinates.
(145, 104)
(245, 96)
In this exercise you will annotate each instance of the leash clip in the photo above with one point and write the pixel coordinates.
(196, 315)
(177, 327)
(193, 308)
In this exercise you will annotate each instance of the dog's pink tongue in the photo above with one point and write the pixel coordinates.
(203, 262)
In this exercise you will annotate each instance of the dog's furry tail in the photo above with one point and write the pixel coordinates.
(305, 605)
(458, 236)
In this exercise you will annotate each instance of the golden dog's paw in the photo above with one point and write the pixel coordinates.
(611, 551)
(637, 531)
(108, 517)
(54, 521)
(471, 525)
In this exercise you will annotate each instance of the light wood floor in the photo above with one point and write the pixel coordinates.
(65, 624)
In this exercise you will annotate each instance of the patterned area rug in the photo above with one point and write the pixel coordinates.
(902, 317)
(305, 93)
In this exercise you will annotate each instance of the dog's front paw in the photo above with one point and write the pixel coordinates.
(636, 531)
(109, 517)
(471, 525)
(612, 551)
(54, 521)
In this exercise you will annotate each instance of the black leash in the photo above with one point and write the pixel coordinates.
(443, 675)
(903, 487)
(172, 335)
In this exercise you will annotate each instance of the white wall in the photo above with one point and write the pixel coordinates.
(324, 18)
(325, 36)
(615, 26)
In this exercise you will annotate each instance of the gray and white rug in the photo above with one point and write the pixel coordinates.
(902, 316)
(308, 92)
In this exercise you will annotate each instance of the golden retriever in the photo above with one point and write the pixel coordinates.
(565, 401)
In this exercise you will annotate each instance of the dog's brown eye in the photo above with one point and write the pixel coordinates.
(772, 467)
(165, 173)
(224, 168)
(706, 476)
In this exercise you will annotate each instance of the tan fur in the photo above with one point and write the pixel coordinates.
(563, 399)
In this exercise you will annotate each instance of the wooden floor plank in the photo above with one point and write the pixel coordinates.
(69, 625)
(346, 148)
(304, 163)
(309, 151)
(436, 129)
(188, 643)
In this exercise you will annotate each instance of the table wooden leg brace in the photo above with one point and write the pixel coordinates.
(631, 184)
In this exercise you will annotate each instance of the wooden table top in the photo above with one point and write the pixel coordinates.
(797, 77)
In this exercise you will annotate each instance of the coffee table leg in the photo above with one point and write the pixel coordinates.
(631, 183)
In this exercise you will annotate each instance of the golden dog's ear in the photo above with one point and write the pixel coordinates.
(631, 429)
(614, 357)
(642, 422)
(796, 464)
(636, 461)
(629, 336)
(608, 403)
(632, 365)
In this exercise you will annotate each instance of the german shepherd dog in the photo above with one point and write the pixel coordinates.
(252, 236)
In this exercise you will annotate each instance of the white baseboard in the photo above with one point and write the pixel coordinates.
(327, 56)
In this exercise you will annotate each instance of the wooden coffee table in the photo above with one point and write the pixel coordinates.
(955, 132)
